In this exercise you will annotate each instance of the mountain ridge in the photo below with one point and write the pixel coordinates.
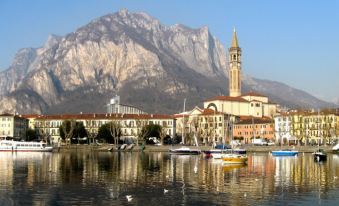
(135, 56)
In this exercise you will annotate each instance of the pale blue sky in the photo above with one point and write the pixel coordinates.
(295, 42)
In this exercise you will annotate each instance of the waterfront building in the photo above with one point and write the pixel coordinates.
(249, 104)
(211, 127)
(307, 127)
(131, 124)
(13, 126)
(249, 128)
(115, 106)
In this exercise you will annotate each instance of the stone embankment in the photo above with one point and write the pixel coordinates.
(166, 148)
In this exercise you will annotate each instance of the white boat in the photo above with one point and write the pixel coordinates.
(185, 150)
(335, 149)
(218, 153)
(21, 146)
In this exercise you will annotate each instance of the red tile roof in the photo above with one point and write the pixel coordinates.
(227, 98)
(210, 112)
(253, 94)
(102, 116)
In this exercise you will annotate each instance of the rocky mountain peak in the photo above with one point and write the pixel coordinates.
(150, 65)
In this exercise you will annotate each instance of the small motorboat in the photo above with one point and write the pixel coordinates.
(284, 153)
(320, 155)
(185, 151)
(234, 159)
(335, 149)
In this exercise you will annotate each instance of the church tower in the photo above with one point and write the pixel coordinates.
(235, 67)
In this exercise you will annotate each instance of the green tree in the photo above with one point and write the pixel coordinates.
(151, 130)
(79, 132)
(104, 133)
(30, 134)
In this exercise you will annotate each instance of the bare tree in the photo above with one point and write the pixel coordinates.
(115, 129)
(69, 133)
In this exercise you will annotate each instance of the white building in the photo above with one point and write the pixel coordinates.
(114, 106)
(13, 126)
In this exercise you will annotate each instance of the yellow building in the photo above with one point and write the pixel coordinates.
(307, 127)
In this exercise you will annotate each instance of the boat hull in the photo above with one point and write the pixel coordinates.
(21, 146)
(320, 157)
(284, 153)
(234, 159)
(47, 149)
(185, 151)
(218, 153)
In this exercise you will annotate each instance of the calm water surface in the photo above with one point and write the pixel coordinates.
(103, 178)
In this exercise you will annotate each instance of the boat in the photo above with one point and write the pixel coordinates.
(22, 146)
(284, 153)
(185, 151)
(217, 153)
(335, 149)
(234, 159)
(320, 155)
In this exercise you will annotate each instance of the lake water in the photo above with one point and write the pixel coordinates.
(104, 178)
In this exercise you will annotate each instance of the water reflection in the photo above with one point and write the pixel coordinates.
(104, 178)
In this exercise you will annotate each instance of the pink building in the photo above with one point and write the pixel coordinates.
(249, 127)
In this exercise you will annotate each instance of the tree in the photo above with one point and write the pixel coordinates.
(30, 134)
(79, 131)
(66, 130)
(152, 130)
(104, 133)
(115, 130)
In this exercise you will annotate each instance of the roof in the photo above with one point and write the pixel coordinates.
(227, 98)
(256, 121)
(104, 116)
(253, 94)
(234, 40)
(210, 112)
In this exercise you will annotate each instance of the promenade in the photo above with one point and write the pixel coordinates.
(165, 148)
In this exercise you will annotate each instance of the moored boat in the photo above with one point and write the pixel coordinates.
(320, 155)
(22, 146)
(218, 153)
(284, 153)
(185, 151)
(234, 159)
(335, 149)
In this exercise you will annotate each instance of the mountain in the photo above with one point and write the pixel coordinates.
(150, 65)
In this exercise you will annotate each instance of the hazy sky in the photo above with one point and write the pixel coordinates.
(295, 41)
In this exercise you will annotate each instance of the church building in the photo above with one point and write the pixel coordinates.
(249, 104)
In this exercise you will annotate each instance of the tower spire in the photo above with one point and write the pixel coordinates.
(235, 67)
(234, 39)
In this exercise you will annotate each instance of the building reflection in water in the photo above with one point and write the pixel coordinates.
(103, 177)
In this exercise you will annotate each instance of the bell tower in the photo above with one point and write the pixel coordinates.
(235, 67)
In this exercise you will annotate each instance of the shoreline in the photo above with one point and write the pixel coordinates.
(166, 148)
